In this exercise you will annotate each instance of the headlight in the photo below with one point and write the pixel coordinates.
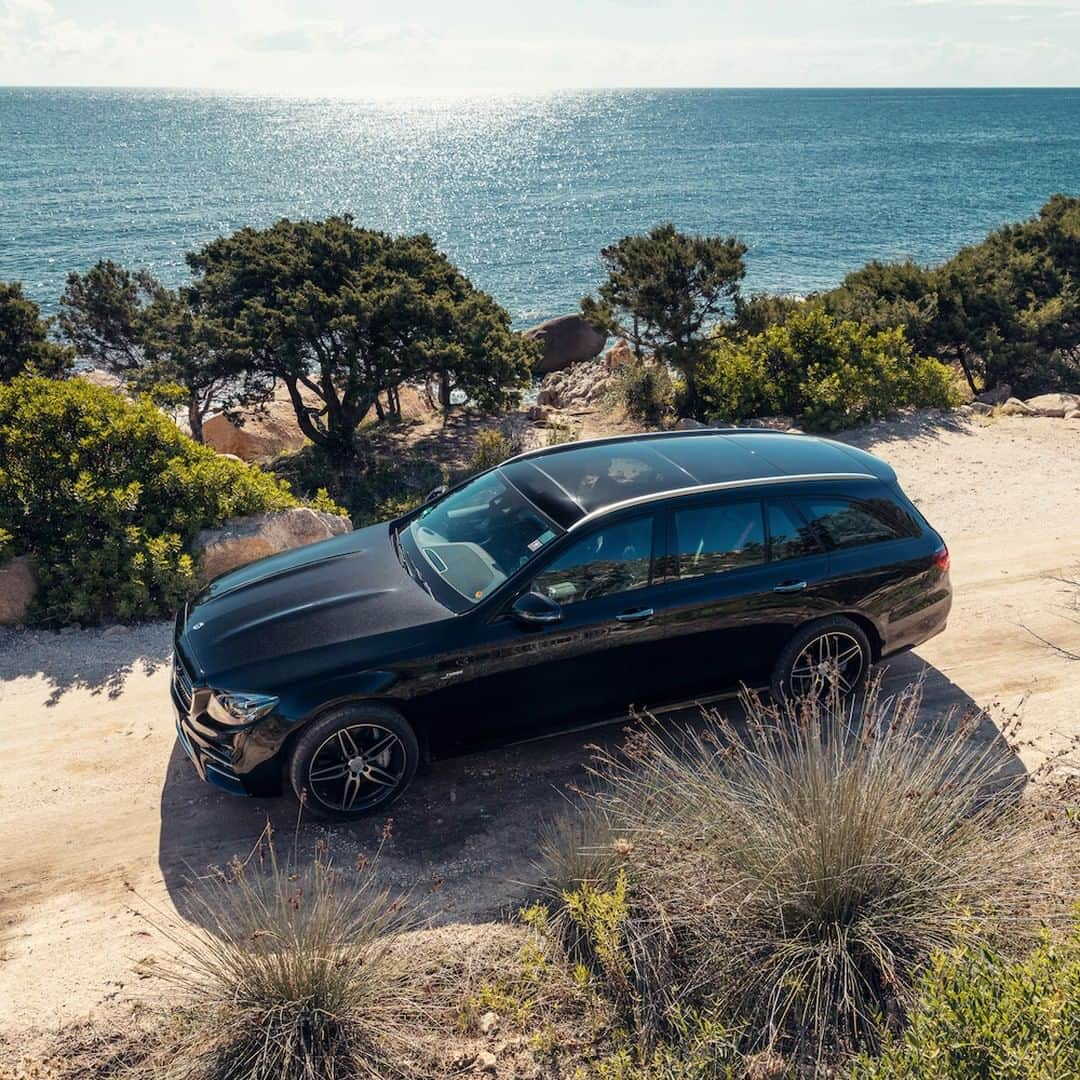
(232, 707)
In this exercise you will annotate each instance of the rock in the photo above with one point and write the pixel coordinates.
(997, 396)
(244, 539)
(489, 1023)
(538, 413)
(548, 396)
(486, 1061)
(115, 631)
(619, 354)
(1015, 407)
(688, 423)
(567, 340)
(18, 585)
(981, 408)
(1053, 404)
(1073, 414)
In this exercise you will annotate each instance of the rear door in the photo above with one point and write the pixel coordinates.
(741, 573)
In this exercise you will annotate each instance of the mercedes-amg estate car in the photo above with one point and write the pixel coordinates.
(557, 589)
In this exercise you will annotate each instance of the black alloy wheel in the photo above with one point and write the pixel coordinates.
(354, 760)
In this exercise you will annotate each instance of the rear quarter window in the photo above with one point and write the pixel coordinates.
(846, 522)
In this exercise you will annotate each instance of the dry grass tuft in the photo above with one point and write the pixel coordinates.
(796, 871)
(294, 974)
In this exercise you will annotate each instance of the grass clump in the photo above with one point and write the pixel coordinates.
(492, 447)
(794, 874)
(295, 975)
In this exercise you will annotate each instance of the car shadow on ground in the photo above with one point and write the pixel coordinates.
(464, 839)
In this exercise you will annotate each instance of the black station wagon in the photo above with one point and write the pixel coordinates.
(555, 590)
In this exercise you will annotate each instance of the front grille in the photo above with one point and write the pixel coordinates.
(182, 682)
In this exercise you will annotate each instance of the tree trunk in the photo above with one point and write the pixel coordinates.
(195, 418)
(444, 391)
(961, 354)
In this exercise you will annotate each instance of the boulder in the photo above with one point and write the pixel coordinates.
(1053, 404)
(997, 396)
(244, 539)
(1073, 414)
(1015, 407)
(539, 414)
(567, 340)
(618, 355)
(688, 423)
(981, 408)
(18, 584)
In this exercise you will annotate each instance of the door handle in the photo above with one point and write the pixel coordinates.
(790, 586)
(637, 615)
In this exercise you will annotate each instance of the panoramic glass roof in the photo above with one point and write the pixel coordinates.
(569, 483)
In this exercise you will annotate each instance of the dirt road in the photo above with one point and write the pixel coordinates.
(94, 795)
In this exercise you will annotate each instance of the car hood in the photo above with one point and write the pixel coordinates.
(339, 591)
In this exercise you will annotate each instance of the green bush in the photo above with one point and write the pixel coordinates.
(826, 373)
(106, 494)
(492, 447)
(979, 1014)
(646, 391)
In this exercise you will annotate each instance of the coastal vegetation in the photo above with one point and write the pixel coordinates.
(25, 344)
(344, 320)
(106, 494)
(662, 293)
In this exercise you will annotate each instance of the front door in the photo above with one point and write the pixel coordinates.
(514, 681)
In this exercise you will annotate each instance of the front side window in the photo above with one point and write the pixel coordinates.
(476, 537)
(612, 559)
(846, 523)
(712, 539)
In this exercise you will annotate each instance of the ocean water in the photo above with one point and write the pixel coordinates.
(524, 191)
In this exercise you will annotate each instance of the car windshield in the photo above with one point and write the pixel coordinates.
(476, 537)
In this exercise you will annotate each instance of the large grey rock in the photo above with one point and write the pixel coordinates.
(1053, 404)
(997, 396)
(981, 408)
(244, 539)
(18, 585)
(688, 423)
(566, 340)
(1015, 407)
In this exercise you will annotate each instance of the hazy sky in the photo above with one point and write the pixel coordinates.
(362, 47)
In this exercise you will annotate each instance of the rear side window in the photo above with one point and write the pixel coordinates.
(789, 536)
(852, 523)
(712, 539)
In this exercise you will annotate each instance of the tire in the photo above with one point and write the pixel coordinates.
(799, 669)
(353, 760)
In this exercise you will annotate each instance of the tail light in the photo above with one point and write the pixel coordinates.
(941, 558)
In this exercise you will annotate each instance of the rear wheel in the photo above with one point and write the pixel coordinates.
(834, 651)
(354, 760)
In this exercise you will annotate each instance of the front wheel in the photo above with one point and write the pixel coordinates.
(354, 760)
(832, 653)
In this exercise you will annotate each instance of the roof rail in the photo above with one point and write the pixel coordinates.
(723, 485)
(640, 436)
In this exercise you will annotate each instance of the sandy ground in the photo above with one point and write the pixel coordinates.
(97, 801)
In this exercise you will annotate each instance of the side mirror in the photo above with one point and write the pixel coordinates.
(435, 493)
(533, 609)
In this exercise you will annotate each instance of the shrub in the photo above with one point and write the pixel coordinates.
(492, 448)
(828, 374)
(646, 391)
(105, 494)
(979, 1014)
(295, 973)
(793, 876)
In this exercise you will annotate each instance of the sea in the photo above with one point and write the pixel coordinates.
(524, 191)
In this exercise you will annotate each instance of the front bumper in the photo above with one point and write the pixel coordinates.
(212, 751)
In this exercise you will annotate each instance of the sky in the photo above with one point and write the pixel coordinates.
(359, 47)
